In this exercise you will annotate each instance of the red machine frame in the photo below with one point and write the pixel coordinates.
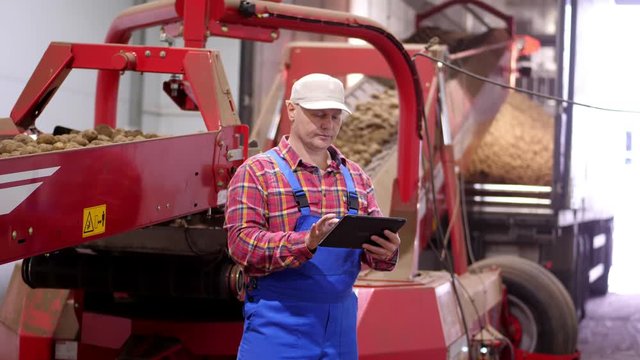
(136, 189)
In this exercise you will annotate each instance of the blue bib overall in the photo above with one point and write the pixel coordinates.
(308, 312)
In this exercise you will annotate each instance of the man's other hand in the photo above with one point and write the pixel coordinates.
(387, 248)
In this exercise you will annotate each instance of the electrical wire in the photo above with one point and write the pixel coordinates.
(448, 266)
(529, 92)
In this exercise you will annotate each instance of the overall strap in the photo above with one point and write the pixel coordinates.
(352, 200)
(298, 192)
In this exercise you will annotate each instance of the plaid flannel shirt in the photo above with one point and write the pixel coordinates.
(261, 211)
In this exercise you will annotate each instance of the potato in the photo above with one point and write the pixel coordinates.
(132, 133)
(105, 130)
(79, 140)
(90, 135)
(120, 139)
(373, 124)
(46, 139)
(45, 147)
(23, 144)
(8, 146)
(24, 139)
(98, 143)
(27, 150)
(517, 148)
(64, 138)
(73, 145)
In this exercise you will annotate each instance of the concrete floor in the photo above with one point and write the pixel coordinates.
(611, 329)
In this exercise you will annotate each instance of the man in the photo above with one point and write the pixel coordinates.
(300, 302)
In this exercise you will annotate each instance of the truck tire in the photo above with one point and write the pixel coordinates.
(539, 303)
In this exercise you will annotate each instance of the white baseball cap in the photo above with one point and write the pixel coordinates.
(319, 91)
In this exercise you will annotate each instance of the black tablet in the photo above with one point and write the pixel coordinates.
(354, 230)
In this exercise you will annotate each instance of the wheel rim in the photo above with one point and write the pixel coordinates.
(523, 324)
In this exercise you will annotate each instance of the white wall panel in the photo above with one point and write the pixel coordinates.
(29, 27)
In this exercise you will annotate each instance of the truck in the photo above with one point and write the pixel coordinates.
(122, 249)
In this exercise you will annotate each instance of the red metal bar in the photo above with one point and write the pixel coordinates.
(486, 7)
(343, 24)
(137, 17)
(51, 71)
(452, 199)
(60, 58)
(195, 22)
(203, 80)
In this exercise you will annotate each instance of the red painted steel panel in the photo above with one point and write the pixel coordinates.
(51, 71)
(159, 59)
(207, 338)
(140, 183)
(399, 323)
(14, 346)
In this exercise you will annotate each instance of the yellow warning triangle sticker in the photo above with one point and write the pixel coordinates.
(88, 225)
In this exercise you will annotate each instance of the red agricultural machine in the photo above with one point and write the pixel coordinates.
(122, 247)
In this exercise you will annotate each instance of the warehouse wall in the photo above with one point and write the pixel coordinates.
(606, 75)
(29, 27)
(605, 156)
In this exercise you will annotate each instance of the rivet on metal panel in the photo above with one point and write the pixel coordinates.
(168, 205)
(220, 184)
(147, 53)
(158, 207)
(221, 171)
(274, 35)
(30, 230)
(14, 235)
(224, 28)
(163, 54)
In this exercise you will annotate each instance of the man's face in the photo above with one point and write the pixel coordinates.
(316, 129)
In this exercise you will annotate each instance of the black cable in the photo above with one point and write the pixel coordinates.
(529, 92)
(448, 266)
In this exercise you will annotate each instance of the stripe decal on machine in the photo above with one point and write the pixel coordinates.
(15, 195)
(28, 175)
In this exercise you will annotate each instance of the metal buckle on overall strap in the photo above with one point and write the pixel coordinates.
(301, 199)
(352, 201)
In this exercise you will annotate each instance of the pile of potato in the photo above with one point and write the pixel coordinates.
(518, 147)
(372, 125)
(102, 135)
